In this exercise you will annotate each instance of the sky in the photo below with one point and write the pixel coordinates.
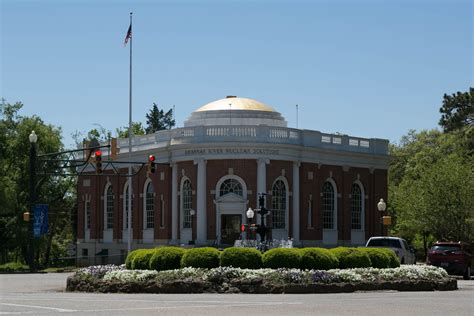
(365, 68)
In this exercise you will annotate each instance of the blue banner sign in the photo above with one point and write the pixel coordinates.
(40, 226)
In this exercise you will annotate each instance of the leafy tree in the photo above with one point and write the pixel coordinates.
(158, 120)
(431, 178)
(137, 129)
(55, 190)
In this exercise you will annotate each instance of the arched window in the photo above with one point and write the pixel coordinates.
(150, 206)
(328, 205)
(278, 204)
(187, 203)
(125, 213)
(356, 207)
(231, 186)
(109, 207)
(87, 212)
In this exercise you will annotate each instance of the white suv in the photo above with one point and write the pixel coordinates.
(399, 245)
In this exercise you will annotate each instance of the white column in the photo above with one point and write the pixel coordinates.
(261, 182)
(201, 229)
(296, 202)
(174, 203)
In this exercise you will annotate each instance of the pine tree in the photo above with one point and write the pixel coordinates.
(157, 120)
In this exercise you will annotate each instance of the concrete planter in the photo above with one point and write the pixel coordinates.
(254, 286)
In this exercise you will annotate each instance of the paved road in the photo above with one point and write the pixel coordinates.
(43, 294)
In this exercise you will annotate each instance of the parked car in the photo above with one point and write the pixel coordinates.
(455, 257)
(405, 254)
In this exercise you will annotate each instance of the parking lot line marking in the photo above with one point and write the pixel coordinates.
(189, 306)
(62, 310)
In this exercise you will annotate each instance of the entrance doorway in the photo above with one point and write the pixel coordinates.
(230, 228)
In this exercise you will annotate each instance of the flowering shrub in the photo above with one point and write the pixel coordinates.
(130, 275)
(98, 271)
(270, 276)
(217, 275)
(180, 274)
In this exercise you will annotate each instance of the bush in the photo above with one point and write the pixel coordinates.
(245, 258)
(206, 257)
(166, 258)
(14, 267)
(282, 258)
(318, 259)
(130, 256)
(394, 262)
(141, 261)
(378, 257)
(351, 258)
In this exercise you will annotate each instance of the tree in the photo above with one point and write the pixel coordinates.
(457, 111)
(431, 178)
(56, 191)
(457, 115)
(137, 129)
(157, 120)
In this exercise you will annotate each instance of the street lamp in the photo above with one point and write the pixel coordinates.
(261, 230)
(381, 206)
(192, 212)
(31, 253)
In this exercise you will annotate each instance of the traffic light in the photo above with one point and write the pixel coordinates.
(98, 161)
(151, 164)
(261, 200)
(114, 149)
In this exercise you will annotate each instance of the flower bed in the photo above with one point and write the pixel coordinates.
(112, 278)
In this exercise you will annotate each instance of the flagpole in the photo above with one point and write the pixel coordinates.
(297, 116)
(130, 135)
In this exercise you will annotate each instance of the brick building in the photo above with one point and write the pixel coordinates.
(322, 189)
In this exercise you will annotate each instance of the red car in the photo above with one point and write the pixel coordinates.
(455, 257)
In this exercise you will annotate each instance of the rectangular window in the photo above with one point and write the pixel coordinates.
(126, 212)
(85, 252)
(328, 206)
(110, 210)
(150, 210)
(187, 204)
(310, 212)
(162, 222)
(87, 209)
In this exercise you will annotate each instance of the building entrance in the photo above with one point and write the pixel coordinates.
(230, 228)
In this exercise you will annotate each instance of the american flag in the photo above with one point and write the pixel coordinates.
(128, 36)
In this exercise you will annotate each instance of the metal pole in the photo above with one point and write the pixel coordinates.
(31, 235)
(381, 223)
(130, 135)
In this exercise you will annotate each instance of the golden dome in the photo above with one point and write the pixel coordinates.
(234, 103)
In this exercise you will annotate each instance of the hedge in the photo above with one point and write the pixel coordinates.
(14, 267)
(130, 256)
(141, 260)
(166, 258)
(206, 257)
(378, 257)
(351, 258)
(282, 258)
(318, 259)
(394, 261)
(245, 258)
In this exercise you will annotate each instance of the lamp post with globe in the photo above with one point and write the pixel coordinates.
(33, 138)
(262, 229)
(381, 206)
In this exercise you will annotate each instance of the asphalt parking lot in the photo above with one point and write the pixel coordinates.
(43, 294)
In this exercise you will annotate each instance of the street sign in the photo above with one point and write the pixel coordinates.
(71, 252)
(40, 226)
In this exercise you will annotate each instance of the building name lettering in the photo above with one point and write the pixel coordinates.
(227, 151)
